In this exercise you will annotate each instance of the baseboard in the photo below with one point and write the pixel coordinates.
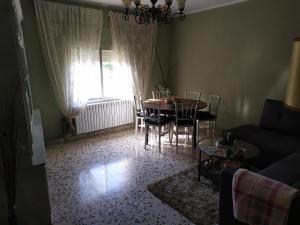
(91, 134)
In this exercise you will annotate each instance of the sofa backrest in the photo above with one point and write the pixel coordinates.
(277, 117)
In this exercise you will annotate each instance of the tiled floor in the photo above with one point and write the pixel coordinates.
(103, 180)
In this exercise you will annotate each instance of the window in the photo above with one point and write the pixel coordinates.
(113, 81)
(87, 73)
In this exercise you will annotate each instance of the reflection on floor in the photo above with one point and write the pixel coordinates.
(103, 180)
(110, 177)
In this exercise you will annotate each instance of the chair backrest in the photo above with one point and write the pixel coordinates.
(138, 102)
(186, 112)
(214, 102)
(192, 95)
(160, 94)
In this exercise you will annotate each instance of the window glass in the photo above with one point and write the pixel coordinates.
(116, 79)
(85, 75)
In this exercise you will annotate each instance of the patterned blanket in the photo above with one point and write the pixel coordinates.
(258, 200)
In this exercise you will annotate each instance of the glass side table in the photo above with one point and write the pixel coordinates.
(215, 156)
(218, 157)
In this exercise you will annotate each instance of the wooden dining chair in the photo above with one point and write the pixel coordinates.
(155, 121)
(139, 117)
(185, 117)
(208, 118)
(161, 94)
(192, 95)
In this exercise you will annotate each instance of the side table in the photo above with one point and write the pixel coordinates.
(215, 156)
(224, 156)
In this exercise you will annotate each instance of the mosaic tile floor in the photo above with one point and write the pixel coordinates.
(103, 180)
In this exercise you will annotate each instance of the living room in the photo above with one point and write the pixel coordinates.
(240, 50)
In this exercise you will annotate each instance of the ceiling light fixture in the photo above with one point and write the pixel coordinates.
(145, 14)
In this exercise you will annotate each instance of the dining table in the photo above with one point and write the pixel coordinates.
(167, 106)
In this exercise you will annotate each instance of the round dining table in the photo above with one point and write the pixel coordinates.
(167, 106)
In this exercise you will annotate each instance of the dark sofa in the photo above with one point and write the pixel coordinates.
(278, 139)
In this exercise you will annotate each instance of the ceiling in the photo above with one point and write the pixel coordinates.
(192, 6)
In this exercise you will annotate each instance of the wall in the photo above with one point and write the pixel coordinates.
(8, 77)
(43, 96)
(28, 183)
(241, 52)
(162, 58)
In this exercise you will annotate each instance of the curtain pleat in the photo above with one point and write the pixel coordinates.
(134, 45)
(70, 39)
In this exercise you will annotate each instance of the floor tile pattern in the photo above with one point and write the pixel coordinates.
(103, 180)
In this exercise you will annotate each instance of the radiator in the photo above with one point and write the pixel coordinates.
(103, 115)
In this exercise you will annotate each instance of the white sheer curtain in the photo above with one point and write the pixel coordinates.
(134, 45)
(70, 38)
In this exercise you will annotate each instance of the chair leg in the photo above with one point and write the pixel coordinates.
(208, 128)
(170, 133)
(155, 136)
(197, 130)
(213, 128)
(159, 138)
(194, 137)
(136, 124)
(146, 135)
(142, 124)
(186, 135)
(176, 139)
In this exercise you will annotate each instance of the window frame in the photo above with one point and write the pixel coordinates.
(102, 98)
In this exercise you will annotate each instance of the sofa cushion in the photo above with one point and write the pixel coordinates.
(277, 117)
(272, 143)
(286, 170)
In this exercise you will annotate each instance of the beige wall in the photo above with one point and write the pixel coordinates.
(31, 194)
(241, 52)
(43, 96)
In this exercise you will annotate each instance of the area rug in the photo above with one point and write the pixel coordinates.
(197, 201)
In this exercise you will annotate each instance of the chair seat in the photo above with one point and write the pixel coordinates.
(153, 120)
(187, 122)
(140, 114)
(205, 115)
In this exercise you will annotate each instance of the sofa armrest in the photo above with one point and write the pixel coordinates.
(225, 203)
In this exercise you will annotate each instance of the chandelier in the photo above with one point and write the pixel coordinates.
(144, 14)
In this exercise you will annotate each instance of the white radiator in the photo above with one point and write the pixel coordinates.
(102, 115)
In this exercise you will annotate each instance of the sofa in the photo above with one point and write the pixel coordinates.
(278, 138)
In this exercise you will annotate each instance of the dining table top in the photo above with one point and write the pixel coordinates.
(169, 103)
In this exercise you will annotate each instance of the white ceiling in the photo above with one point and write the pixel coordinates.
(192, 6)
